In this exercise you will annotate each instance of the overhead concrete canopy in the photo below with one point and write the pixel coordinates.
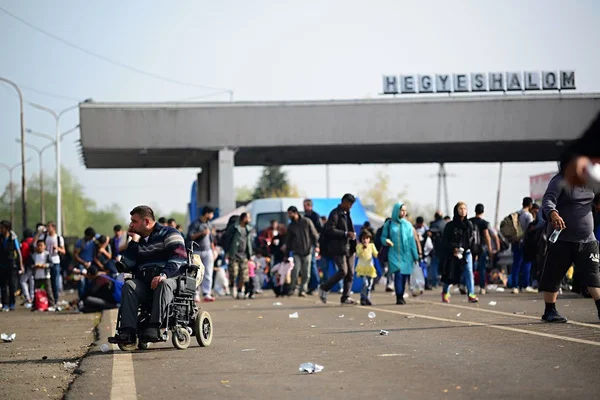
(434, 129)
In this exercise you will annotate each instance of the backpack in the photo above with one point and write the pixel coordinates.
(383, 253)
(510, 228)
(477, 248)
(26, 247)
(40, 302)
(117, 289)
(227, 237)
(60, 240)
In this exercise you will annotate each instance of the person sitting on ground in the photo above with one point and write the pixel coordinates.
(281, 274)
(100, 292)
(154, 256)
(104, 259)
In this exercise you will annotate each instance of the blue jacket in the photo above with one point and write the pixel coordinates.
(403, 254)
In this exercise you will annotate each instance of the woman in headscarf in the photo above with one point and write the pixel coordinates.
(457, 244)
(404, 248)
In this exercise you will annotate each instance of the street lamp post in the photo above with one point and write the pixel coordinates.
(40, 152)
(56, 117)
(53, 143)
(23, 162)
(10, 169)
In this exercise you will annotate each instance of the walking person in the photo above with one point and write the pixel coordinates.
(314, 282)
(365, 269)
(486, 248)
(200, 231)
(302, 237)
(340, 240)
(239, 251)
(570, 212)
(457, 259)
(404, 249)
(521, 269)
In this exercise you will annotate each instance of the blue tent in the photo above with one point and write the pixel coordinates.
(323, 207)
(193, 204)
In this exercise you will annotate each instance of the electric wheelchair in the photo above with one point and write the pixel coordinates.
(184, 318)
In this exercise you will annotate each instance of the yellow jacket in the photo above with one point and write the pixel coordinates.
(365, 265)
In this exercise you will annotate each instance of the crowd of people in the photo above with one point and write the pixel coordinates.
(36, 269)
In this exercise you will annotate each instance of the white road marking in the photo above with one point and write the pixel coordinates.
(491, 325)
(499, 312)
(123, 377)
(472, 323)
(390, 355)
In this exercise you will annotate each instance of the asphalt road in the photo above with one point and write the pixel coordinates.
(33, 365)
(432, 351)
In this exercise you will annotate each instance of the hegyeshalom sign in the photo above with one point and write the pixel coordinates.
(479, 82)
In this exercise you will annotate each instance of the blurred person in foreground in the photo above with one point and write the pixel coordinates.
(580, 155)
(569, 210)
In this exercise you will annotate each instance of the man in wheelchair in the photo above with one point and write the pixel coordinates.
(154, 257)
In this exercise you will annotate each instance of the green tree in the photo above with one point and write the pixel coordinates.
(274, 183)
(79, 211)
(243, 193)
(380, 198)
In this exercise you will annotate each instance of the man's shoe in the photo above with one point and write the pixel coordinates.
(151, 334)
(554, 316)
(400, 300)
(368, 302)
(126, 336)
(323, 296)
(301, 294)
(348, 301)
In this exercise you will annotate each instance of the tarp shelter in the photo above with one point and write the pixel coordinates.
(323, 207)
(376, 220)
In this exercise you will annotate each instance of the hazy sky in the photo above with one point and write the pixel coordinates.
(280, 50)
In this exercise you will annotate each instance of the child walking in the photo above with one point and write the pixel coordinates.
(365, 268)
(41, 265)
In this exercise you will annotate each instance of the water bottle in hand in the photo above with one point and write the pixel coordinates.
(554, 237)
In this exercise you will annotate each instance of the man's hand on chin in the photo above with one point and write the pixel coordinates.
(156, 281)
(134, 236)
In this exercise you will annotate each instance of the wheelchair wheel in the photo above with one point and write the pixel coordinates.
(127, 347)
(203, 329)
(181, 338)
(144, 345)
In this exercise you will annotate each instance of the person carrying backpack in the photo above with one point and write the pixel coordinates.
(513, 228)
(238, 249)
(436, 228)
(482, 247)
